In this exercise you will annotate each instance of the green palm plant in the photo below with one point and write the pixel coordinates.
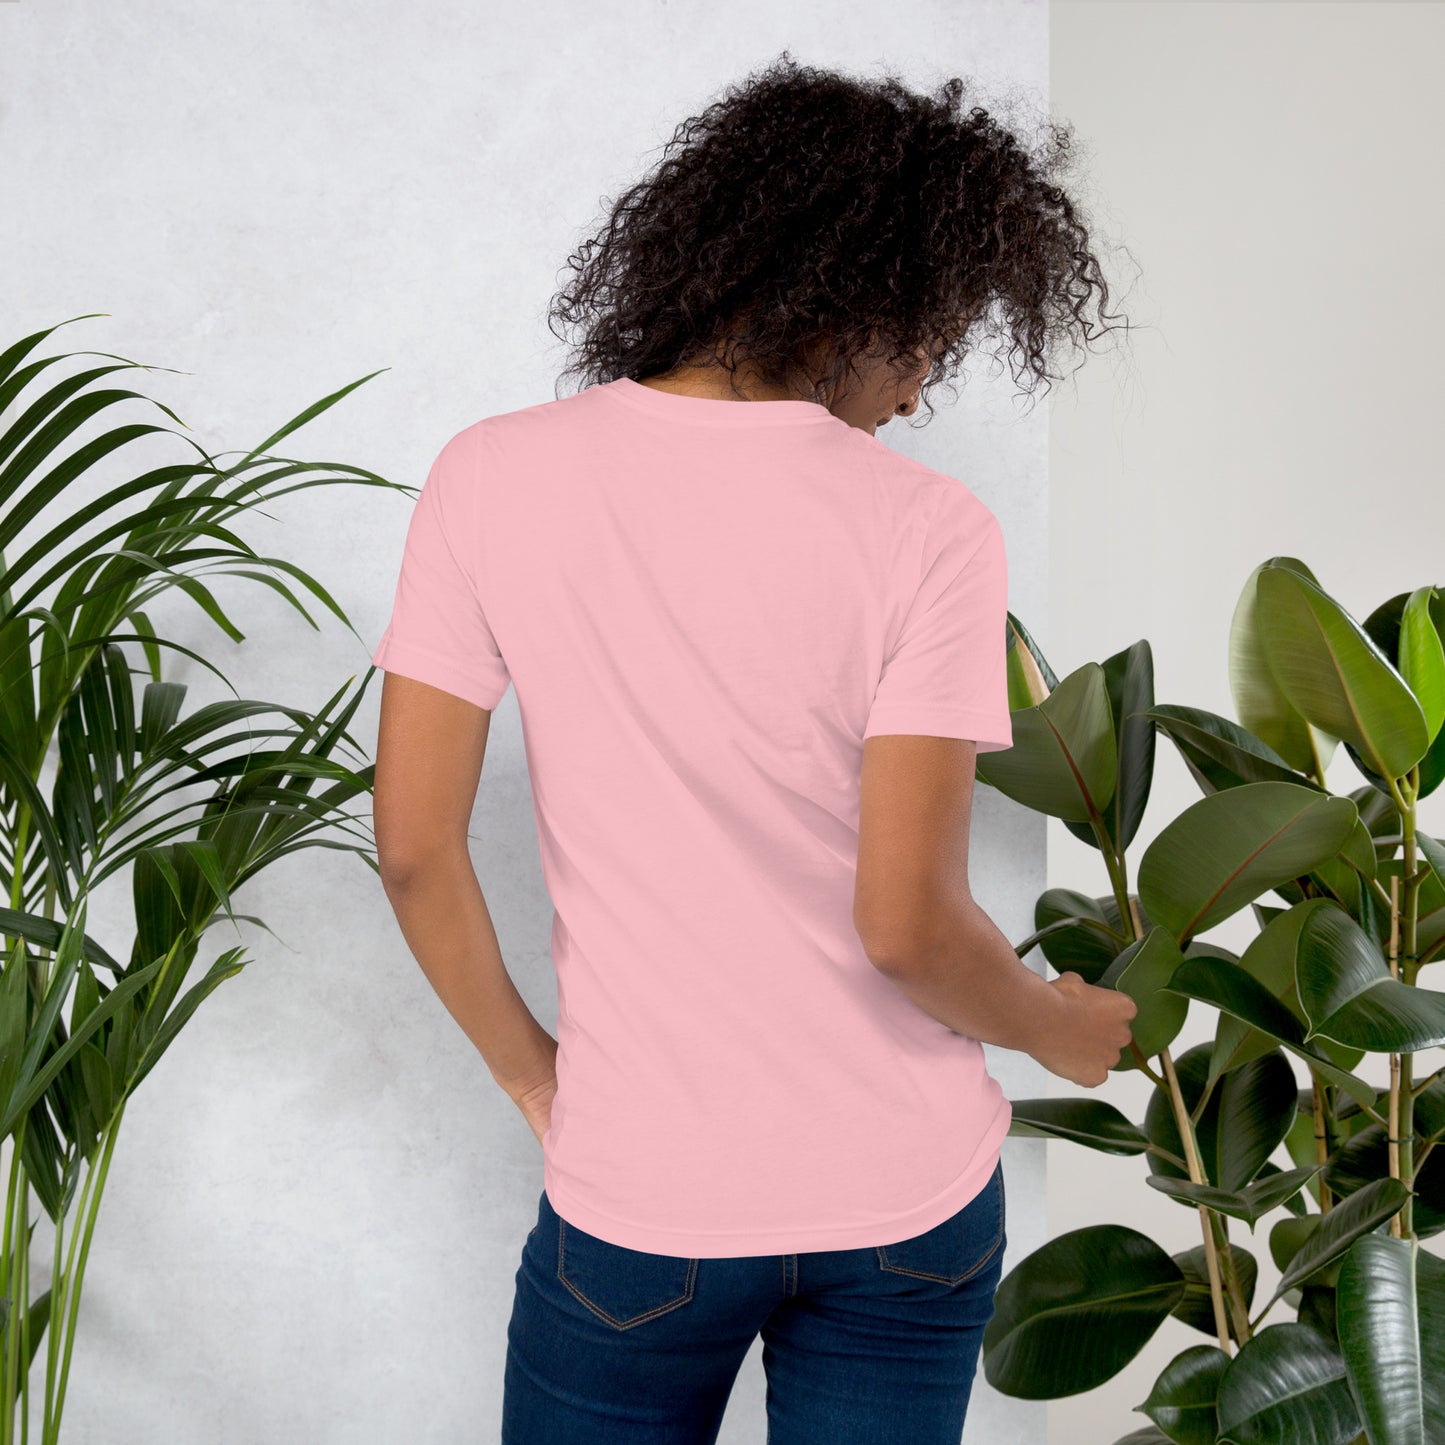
(194, 805)
(1331, 977)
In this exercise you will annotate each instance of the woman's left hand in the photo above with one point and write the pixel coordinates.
(536, 1106)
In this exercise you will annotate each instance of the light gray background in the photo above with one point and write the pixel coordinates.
(318, 1200)
(1275, 170)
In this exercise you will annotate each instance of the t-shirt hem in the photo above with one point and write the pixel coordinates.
(704, 1244)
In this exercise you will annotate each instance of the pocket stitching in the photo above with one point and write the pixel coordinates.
(972, 1270)
(602, 1313)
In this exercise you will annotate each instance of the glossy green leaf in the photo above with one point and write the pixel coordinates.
(1357, 854)
(1129, 681)
(1288, 1237)
(1286, 1384)
(1422, 657)
(1349, 994)
(1182, 1402)
(1248, 1113)
(1430, 1111)
(1385, 626)
(1434, 854)
(1225, 850)
(1391, 1315)
(1077, 933)
(1220, 753)
(1196, 1309)
(1092, 1122)
(1184, 1398)
(1317, 1306)
(1365, 1157)
(1298, 1200)
(1260, 703)
(1270, 961)
(1227, 986)
(1143, 971)
(1250, 1204)
(1300, 1141)
(1357, 1214)
(1030, 678)
(1430, 919)
(1332, 673)
(1063, 761)
(1074, 1312)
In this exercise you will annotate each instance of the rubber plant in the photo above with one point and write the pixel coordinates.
(194, 804)
(1348, 895)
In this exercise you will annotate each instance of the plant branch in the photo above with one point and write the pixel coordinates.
(1196, 1173)
(1322, 1143)
(1404, 912)
(1238, 1309)
(1142, 1064)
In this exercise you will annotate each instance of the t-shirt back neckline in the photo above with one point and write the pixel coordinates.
(715, 411)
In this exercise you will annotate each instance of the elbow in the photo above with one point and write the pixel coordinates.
(892, 949)
(404, 870)
(910, 946)
(397, 875)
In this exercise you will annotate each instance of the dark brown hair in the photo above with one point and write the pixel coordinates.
(806, 205)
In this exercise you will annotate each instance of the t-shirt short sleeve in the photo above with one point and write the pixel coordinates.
(438, 633)
(947, 673)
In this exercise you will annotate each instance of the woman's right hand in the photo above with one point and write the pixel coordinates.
(1091, 1034)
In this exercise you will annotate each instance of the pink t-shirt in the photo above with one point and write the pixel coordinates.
(705, 606)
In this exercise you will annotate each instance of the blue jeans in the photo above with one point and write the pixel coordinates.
(615, 1346)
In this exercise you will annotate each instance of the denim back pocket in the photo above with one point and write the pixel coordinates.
(624, 1287)
(958, 1248)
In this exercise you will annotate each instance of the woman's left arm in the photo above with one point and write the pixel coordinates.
(430, 747)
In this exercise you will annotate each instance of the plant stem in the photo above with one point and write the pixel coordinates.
(1116, 868)
(22, 1250)
(1373, 884)
(1142, 1064)
(1129, 908)
(1197, 1112)
(1238, 1309)
(1196, 1173)
(61, 1288)
(58, 1279)
(1392, 1133)
(14, 1193)
(13, 1281)
(1404, 913)
(1322, 1144)
(90, 1207)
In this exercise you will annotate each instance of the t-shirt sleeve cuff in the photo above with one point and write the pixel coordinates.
(406, 659)
(989, 731)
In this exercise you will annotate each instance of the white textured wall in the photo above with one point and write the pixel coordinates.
(318, 1199)
(1274, 168)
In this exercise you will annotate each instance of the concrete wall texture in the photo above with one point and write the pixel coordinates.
(316, 1205)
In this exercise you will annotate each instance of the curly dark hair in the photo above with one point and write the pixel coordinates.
(807, 214)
